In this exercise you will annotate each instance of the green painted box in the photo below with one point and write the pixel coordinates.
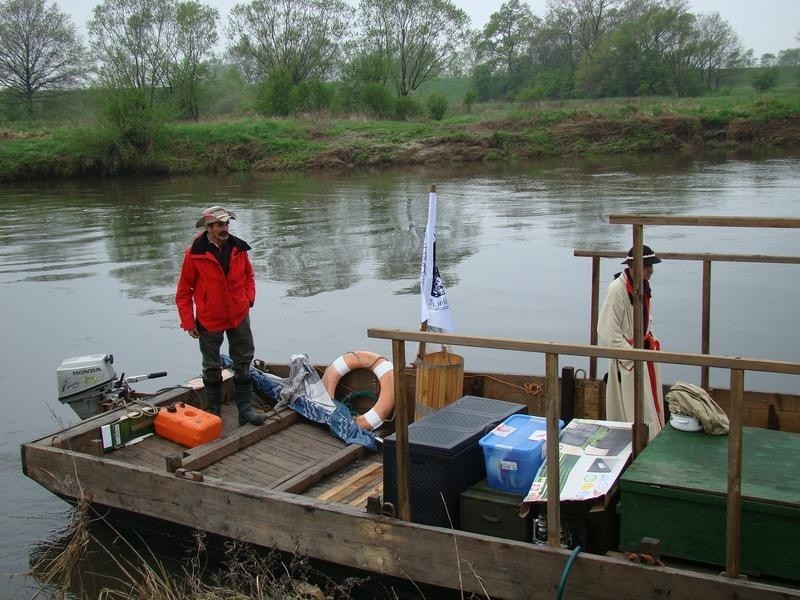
(494, 512)
(676, 489)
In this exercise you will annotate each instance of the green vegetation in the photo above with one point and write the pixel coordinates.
(430, 132)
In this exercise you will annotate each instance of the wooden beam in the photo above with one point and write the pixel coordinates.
(207, 454)
(695, 256)
(733, 530)
(553, 491)
(594, 311)
(711, 360)
(341, 534)
(402, 417)
(639, 329)
(704, 221)
(705, 321)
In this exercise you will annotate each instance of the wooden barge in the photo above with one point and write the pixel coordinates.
(293, 486)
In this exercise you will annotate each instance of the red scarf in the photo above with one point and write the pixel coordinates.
(650, 343)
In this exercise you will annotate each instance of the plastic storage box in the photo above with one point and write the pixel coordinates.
(187, 425)
(490, 511)
(514, 451)
(445, 458)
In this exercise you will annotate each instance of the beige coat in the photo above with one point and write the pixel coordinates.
(615, 328)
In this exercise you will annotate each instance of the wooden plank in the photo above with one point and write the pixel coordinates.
(733, 528)
(704, 256)
(705, 221)
(207, 454)
(711, 360)
(361, 499)
(306, 477)
(355, 481)
(343, 535)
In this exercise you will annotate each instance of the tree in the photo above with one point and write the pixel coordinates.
(790, 57)
(717, 47)
(39, 49)
(586, 22)
(196, 36)
(300, 37)
(506, 35)
(134, 43)
(417, 38)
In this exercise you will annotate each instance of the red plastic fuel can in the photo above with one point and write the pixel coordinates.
(187, 425)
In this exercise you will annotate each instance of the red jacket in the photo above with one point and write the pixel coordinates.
(206, 294)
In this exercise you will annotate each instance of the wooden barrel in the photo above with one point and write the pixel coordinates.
(440, 381)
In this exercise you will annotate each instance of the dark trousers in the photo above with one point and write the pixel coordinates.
(240, 347)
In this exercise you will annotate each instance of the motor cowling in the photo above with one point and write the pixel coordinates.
(89, 375)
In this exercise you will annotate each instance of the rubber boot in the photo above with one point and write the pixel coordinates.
(213, 397)
(243, 393)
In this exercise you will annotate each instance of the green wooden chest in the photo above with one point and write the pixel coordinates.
(676, 488)
(493, 512)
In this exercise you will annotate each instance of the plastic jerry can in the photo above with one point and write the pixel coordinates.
(187, 425)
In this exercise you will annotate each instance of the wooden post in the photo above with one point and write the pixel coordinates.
(595, 311)
(733, 530)
(401, 430)
(639, 431)
(421, 347)
(705, 346)
(553, 485)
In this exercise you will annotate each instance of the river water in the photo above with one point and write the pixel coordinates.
(90, 267)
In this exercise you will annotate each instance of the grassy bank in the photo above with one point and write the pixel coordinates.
(501, 132)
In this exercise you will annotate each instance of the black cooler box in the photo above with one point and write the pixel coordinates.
(445, 458)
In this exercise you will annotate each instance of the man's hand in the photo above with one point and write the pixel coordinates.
(194, 333)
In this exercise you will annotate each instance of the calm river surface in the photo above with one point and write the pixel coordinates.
(90, 267)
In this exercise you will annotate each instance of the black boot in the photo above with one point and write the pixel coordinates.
(244, 402)
(213, 397)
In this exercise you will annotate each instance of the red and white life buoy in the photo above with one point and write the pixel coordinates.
(384, 371)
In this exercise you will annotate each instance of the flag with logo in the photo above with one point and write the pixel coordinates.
(435, 308)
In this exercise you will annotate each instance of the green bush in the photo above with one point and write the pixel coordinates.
(277, 95)
(765, 78)
(134, 121)
(314, 96)
(377, 100)
(406, 107)
(469, 99)
(437, 105)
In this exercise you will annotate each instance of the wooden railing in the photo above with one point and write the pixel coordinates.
(707, 259)
(552, 351)
(637, 223)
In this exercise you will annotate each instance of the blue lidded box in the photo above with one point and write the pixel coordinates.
(513, 452)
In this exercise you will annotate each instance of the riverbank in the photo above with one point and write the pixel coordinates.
(489, 133)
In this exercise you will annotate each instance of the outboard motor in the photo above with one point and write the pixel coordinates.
(83, 382)
(90, 385)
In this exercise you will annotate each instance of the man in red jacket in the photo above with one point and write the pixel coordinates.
(216, 290)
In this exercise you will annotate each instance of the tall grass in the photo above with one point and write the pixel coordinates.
(244, 573)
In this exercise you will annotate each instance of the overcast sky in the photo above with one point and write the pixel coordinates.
(764, 25)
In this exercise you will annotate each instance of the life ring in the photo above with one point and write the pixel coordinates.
(383, 370)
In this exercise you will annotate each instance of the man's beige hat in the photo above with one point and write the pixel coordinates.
(215, 214)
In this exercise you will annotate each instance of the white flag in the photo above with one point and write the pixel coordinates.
(435, 309)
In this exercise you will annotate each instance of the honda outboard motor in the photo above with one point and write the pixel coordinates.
(83, 382)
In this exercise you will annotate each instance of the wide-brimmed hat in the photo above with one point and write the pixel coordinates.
(215, 214)
(648, 257)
